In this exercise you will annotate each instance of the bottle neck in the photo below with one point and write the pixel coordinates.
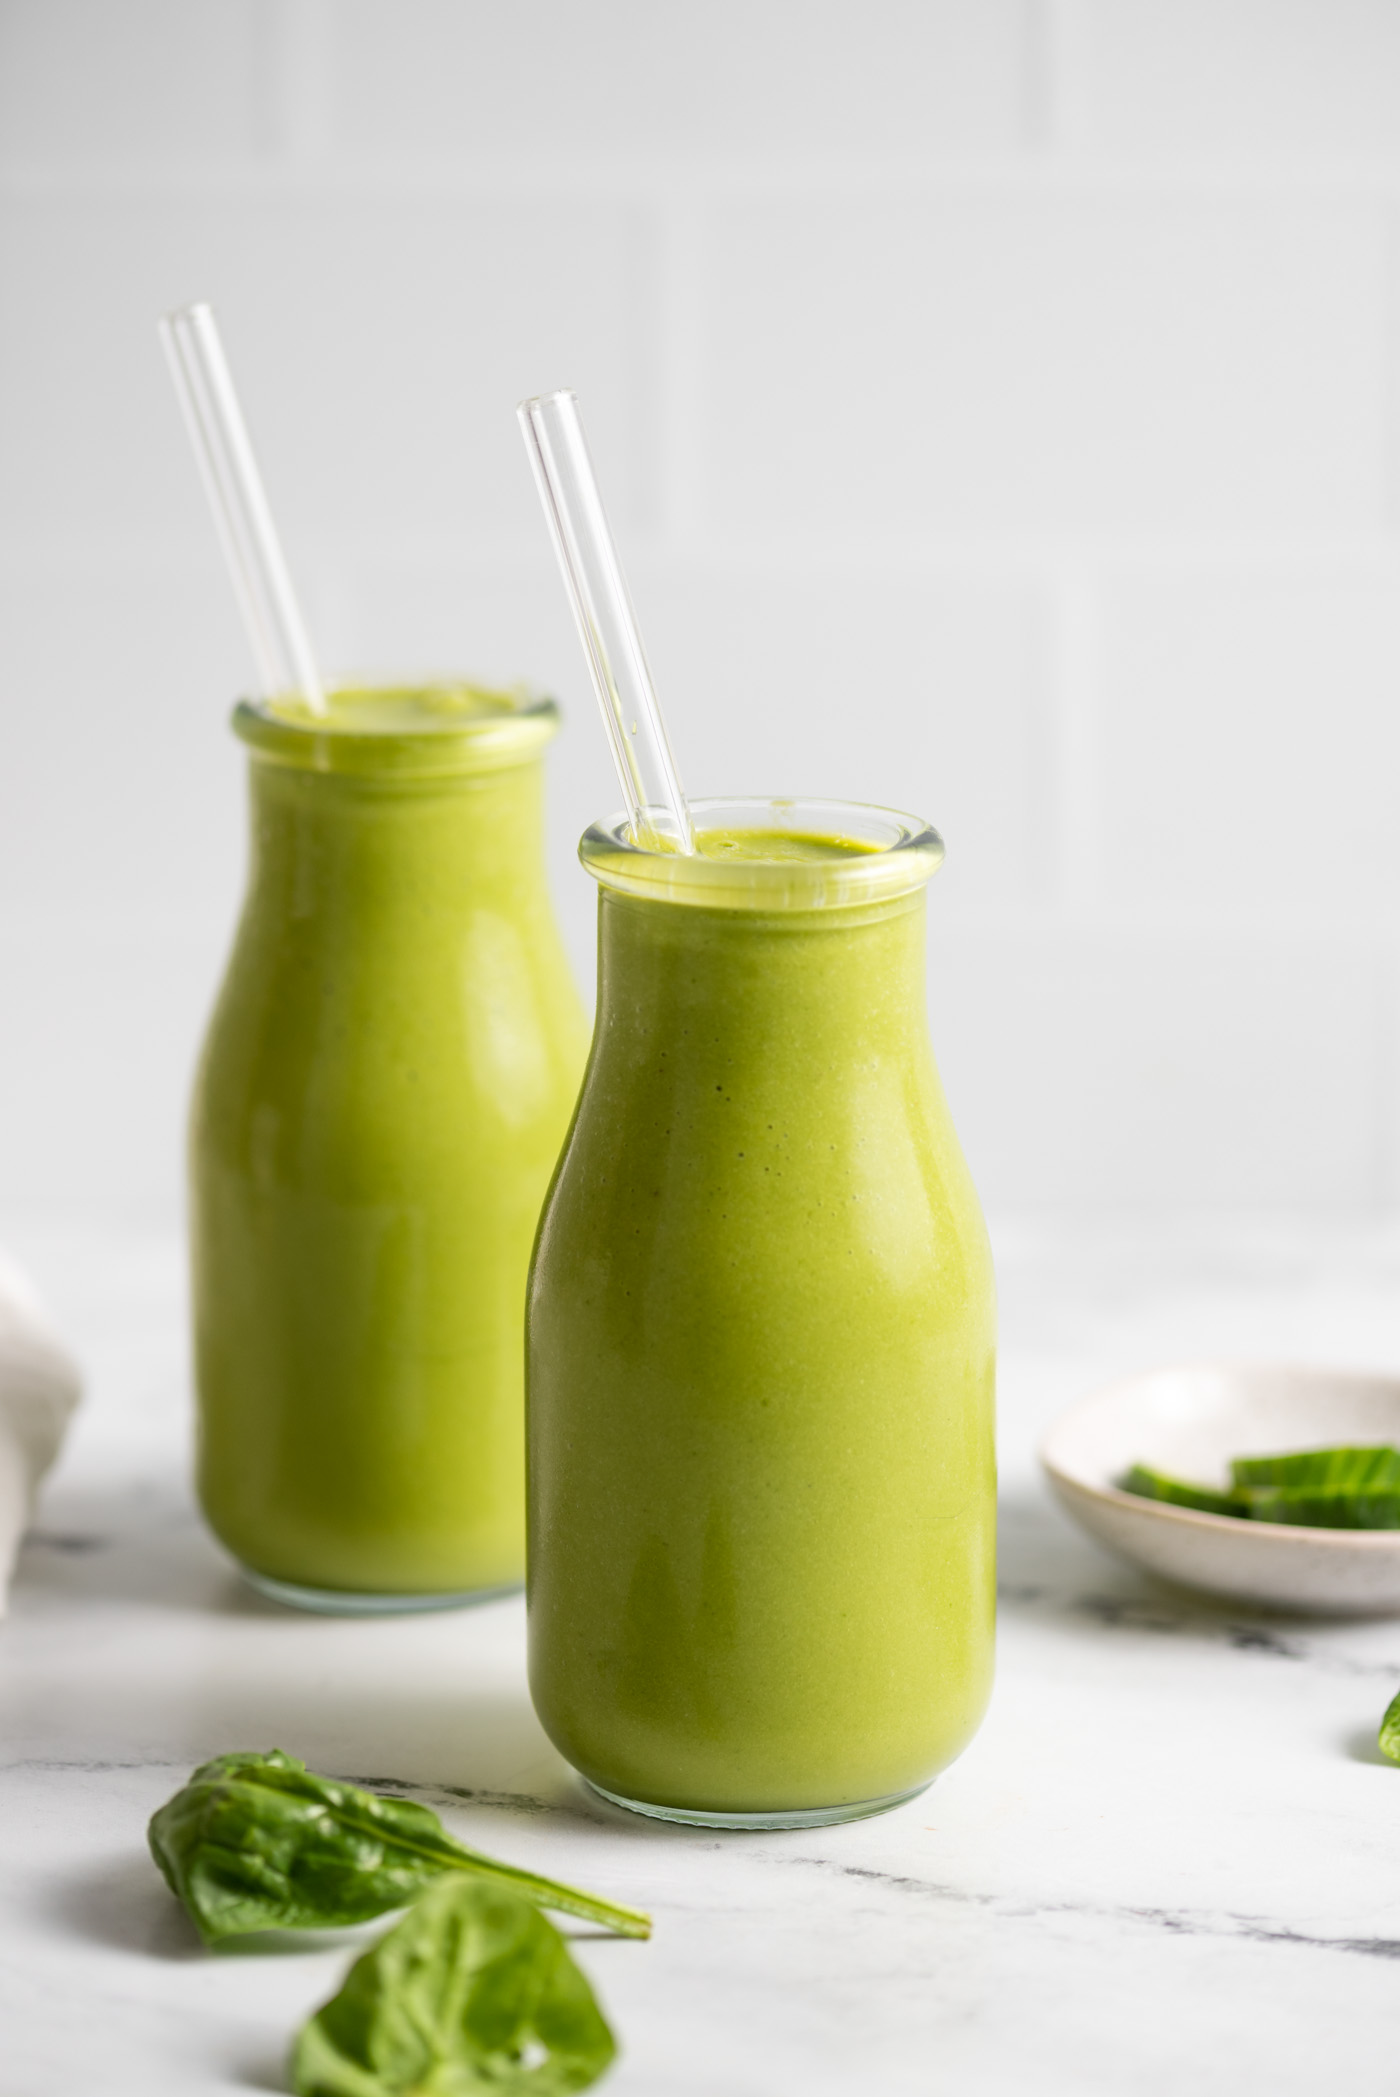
(846, 983)
(330, 843)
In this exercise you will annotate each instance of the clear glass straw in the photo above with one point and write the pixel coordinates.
(229, 470)
(607, 624)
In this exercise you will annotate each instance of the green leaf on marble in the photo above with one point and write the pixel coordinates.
(259, 1842)
(1390, 1730)
(473, 1992)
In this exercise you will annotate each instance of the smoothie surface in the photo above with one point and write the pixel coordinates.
(404, 731)
(769, 854)
(774, 845)
(395, 709)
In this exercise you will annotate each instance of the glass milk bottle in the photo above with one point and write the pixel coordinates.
(761, 1340)
(385, 1084)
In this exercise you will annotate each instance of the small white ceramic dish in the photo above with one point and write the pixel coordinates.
(1191, 1421)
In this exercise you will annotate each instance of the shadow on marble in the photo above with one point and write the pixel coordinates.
(476, 1748)
(1048, 1573)
(1364, 1747)
(145, 1545)
(262, 2072)
(134, 1543)
(123, 1904)
(1038, 1549)
(1044, 1563)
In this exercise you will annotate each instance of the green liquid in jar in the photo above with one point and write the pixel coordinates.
(761, 1340)
(385, 1084)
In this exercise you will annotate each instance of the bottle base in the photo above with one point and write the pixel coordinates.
(755, 1823)
(337, 1601)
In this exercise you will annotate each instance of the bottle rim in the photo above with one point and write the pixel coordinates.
(480, 729)
(878, 854)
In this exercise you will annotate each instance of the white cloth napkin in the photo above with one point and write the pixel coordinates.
(39, 1387)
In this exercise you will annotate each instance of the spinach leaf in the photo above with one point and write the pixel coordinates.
(1327, 1471)
(258, 1842)
(1313, 1488)
(1158, 1485)
(1323, 1510)
(472, 1992)
(1390, 1730)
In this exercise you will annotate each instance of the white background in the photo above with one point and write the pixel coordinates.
(996, 401)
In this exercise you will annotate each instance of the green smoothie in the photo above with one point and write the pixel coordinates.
(761, 1340)
(384, 1088)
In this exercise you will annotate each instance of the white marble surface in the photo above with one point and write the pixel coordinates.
(1171, 1859)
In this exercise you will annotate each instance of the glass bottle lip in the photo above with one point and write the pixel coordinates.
(893, 854)
(433, 728)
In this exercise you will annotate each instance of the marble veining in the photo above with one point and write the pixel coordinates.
(1170, 1860)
